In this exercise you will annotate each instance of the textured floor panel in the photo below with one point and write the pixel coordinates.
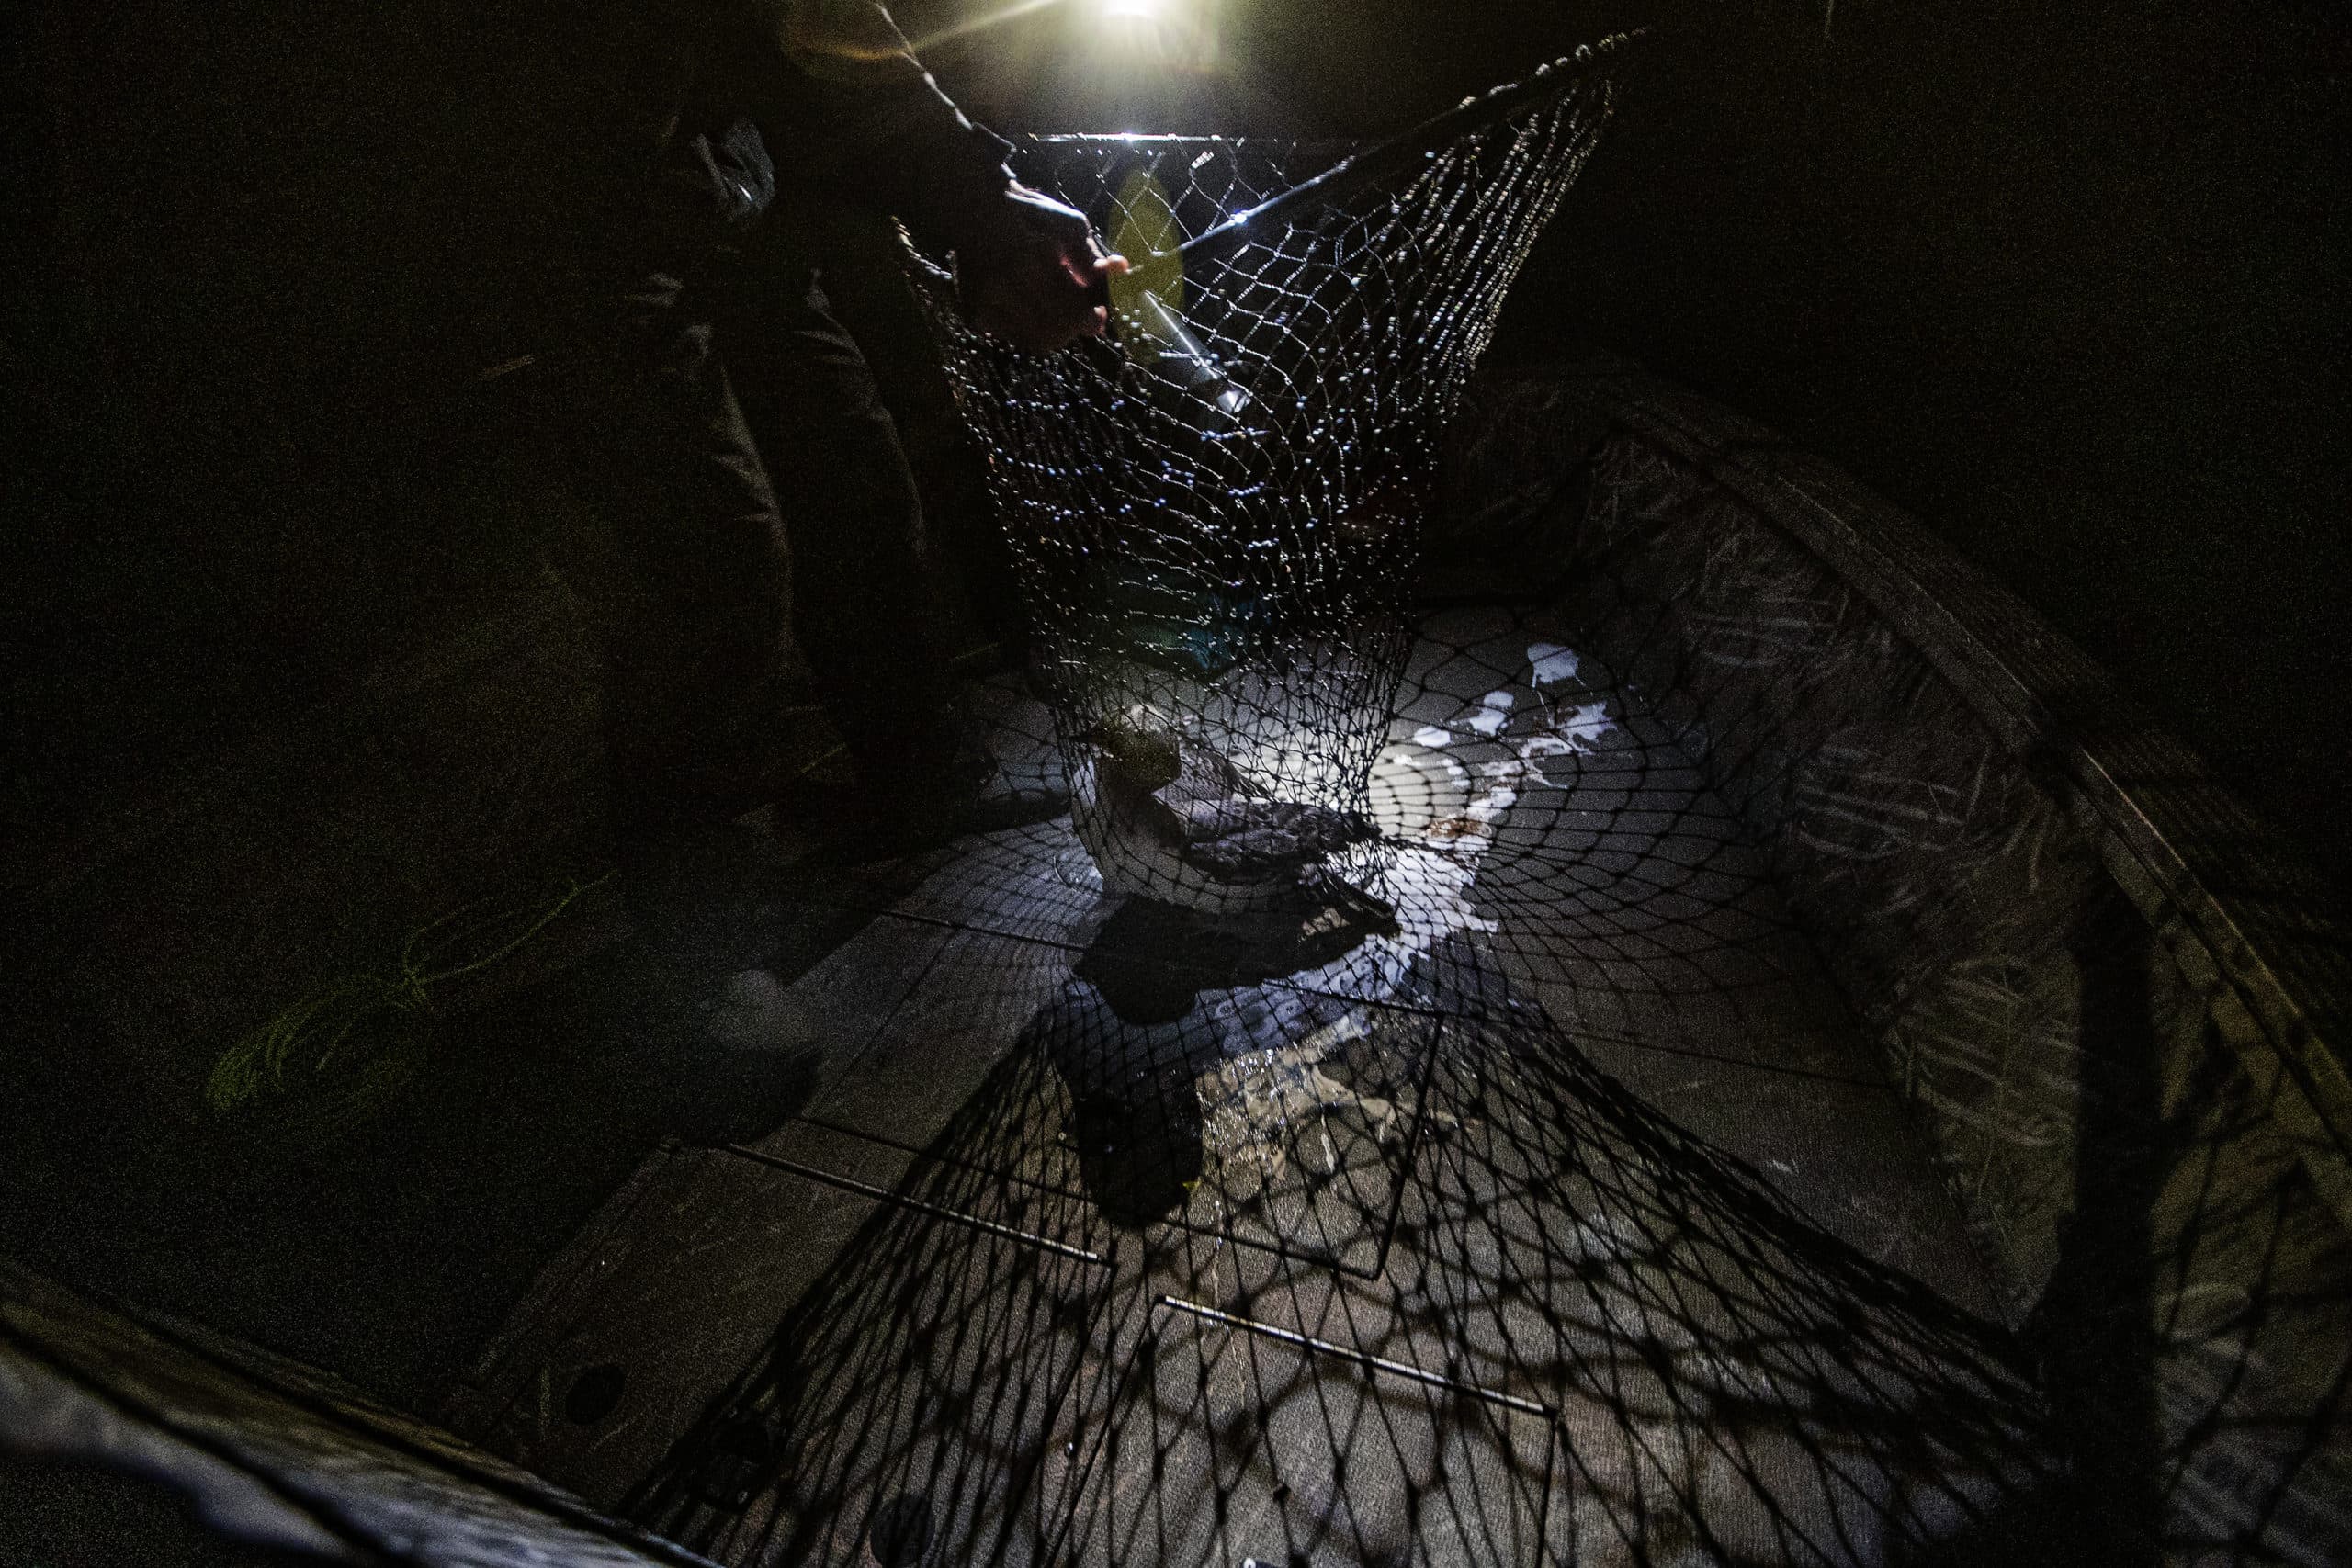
(687, 1288)
(1277, 1117)
(1552, 1225)
(1236, 1444)
(911, 1397)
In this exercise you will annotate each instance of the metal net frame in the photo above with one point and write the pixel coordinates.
(1215, 517)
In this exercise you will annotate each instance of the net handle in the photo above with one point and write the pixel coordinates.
(1403, 150)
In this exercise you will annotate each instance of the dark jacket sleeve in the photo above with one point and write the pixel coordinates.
(842, 101)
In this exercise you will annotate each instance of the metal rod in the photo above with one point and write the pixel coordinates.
(899, 1200)
(1364, 1359)
(1401, 152)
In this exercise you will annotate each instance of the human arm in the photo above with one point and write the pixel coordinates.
(836, 90)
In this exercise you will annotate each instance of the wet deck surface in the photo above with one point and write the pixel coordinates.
(1571, 1223)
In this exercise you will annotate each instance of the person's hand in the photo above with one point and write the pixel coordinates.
(1029, 271)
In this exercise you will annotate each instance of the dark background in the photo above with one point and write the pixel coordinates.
(2067, 281)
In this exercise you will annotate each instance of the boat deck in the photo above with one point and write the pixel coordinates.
(1572, 1222)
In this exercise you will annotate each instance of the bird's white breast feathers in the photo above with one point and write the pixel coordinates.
(1138, 842)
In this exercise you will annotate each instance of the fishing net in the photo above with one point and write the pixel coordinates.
(1215, 517)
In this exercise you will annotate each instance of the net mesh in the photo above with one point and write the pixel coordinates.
(1216, 519)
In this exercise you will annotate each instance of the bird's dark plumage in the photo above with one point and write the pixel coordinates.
(1240, 838)
(1173, 820)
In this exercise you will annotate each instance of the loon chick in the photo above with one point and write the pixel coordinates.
(1174, 821)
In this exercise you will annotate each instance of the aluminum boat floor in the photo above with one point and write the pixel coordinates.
(1570, 1223)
